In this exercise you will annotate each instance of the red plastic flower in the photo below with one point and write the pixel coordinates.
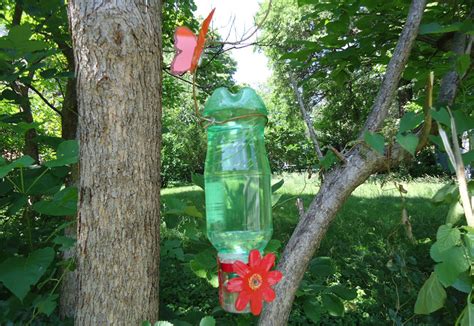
(255, 281)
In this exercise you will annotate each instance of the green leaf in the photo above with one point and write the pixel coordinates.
(198, 180)
(273, 246)
(454, 262)
(67, 153)
(442, 116)
(409, 121)
(431, 296)
(468, 157)
(312, 310)
(455, 213)
(192, 211)
(207, 321)
(375, 140)
(18, 274)
(447, 194)
(163, 323)
(277, 185)
(343, 292)
(47, 304)
(447, 237)
(64, 203)
(436, 28)
(463, 283)
(22, 162)
(19, 202)
(332, 304)
(462, 63)
(409, 142)
(328, 160)
(65, 242)
(322, 267)
(276, 199)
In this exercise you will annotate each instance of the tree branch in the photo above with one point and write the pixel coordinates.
(339, 183)
(45, 100)
(307, 119)
(395, 68)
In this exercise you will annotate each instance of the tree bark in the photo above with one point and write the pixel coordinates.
(339, 183)
(117, 47)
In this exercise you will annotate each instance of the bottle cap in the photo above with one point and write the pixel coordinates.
(224, 105)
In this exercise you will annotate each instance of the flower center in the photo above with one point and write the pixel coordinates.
(255, 281)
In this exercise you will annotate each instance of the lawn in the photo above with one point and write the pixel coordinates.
(368, 249)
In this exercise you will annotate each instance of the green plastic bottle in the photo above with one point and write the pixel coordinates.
(237, 179)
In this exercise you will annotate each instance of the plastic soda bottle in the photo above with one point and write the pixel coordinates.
(237, 181)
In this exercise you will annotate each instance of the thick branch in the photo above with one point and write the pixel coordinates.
(449, 84)
(395, 67)
(339, 183)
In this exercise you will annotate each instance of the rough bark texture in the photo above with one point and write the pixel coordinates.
(339, 183)
(117, 47)
(69, 121)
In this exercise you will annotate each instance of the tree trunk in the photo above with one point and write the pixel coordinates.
(69, 115)
(117, 47)
(339, 183)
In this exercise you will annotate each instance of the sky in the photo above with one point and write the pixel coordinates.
(252, 67)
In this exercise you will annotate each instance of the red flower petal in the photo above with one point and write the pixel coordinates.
(235, 285)
(274, 277)
(242, 300)
(241, 269)
(256, 304)
(268, 294)
(254, 258)
(267, 262)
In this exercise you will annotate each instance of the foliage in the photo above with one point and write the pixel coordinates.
(31, 267)
(453, 250)
(337, 52)
(375, 262)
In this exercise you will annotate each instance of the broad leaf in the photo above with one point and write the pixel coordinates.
(198, 180)
(22, 162)
(277, 185)
(64, 203)
(332, 304)
(455, 213)
(207, 321)
(343, 292)
(67, 153)
(408, 142)
(447, 237)
(436, 28)
(18, 274)
(431, 296)
(312, 310)
(322, 267)
(375, 140)
(409, 121)
(46, 304)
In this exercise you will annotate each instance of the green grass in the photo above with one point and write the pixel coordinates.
(366, 242)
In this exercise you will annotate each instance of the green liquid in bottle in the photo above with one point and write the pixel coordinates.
(237, 181)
